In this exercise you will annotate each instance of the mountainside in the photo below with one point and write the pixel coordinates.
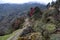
(7, 10)
(35, 25)
(10, 12)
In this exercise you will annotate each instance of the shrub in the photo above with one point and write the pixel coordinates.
(49, 27)
(32, 36)
(55, 37)
(38, 25)
(36, 36)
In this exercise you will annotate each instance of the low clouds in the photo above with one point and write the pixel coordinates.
(24, 1)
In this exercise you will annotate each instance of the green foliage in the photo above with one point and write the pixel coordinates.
(37, 9)
(36, 16)
(32, 36)
(58, 25)
(37, 25)
(36, 36)
(55, 37)
(49, 16)
(8, 31)
(49, 27)
(5, 37)
(37, 13)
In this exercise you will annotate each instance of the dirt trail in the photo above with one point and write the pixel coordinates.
(17, 34)
(27, 26)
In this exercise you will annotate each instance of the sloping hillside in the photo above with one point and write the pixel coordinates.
(10, 12)
(36, 25)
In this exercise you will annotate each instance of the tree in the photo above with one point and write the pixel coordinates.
(57, 3)
(52, 3)
(48, 5)
(37, 13)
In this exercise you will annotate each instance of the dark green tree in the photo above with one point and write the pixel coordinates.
(38, 13)
(48, 5)
(57, 3)
(52, 3)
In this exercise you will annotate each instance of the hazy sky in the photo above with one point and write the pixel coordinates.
(24, 1)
